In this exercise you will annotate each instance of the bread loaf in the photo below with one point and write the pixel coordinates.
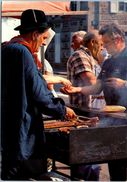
(113, 108)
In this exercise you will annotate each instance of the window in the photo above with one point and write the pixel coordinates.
(126, 7)
(84, 6)
(123, 6)
(116, 6)
(73, 5)
(79, 5)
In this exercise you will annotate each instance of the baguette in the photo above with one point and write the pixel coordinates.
(113, 108)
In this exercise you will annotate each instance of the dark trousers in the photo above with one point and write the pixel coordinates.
(23, 170)
(85, 172)
(117, 170)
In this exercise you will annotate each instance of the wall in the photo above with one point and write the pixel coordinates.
(105, 16)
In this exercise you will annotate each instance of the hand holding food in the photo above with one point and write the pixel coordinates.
(70, 90)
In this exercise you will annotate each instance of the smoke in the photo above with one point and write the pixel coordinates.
(111, 121)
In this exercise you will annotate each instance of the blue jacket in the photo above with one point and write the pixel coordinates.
(24, 98)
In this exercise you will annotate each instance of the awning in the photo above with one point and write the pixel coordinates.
(15, 8)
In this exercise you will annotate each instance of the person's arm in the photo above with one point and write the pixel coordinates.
(89, 77)
(86, 90)
(51, 79)
(39, 95)
(50, 86)
(116, 83)
(92, 89)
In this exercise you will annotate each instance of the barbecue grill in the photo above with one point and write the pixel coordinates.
(101, 142)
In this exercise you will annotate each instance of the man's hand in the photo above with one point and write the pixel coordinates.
(70, 90)
(70, 114)
(115, 82)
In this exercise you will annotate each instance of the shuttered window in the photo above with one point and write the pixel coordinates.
(118, 6)
(114, 6)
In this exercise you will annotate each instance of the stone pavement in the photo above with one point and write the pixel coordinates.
(104, 175)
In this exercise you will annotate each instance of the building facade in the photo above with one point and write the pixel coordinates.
(95, 14)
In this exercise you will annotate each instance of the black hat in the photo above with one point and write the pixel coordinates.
(32, 19)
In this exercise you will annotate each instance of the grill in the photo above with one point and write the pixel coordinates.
(78, 122)
(100, 142)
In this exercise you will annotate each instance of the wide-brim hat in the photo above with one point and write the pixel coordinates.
(32, 19)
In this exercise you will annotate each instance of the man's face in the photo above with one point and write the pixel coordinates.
(40, 40)
(110, 44)
(76, 42)
(94, 46)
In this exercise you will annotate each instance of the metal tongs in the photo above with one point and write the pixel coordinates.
(82, 118)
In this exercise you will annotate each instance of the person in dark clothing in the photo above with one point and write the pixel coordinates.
(113, 81)
(25, 97)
